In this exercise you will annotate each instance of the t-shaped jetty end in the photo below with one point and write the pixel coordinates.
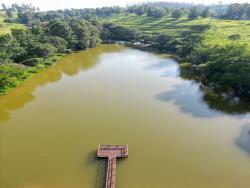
(112, 152)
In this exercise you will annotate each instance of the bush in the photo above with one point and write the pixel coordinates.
(68, 51)
(32, 62)
(234, 37)
(10, 75)
(118, 33)
(200, 28)
(59, 43)
(9, 21)
(226, 66)
(178, 13)
(7, 82)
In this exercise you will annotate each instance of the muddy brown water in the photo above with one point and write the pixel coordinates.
(51, 125)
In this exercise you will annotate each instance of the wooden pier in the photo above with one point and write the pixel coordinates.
(112, 152)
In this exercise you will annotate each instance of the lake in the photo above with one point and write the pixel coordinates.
(52, 124)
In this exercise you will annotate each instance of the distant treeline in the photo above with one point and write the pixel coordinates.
(28, 14)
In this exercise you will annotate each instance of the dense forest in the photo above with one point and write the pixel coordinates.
(51, 34)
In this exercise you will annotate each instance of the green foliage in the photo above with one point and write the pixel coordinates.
(10, 76)
(118, 33)
(178, 13)
(59, 43)
(237, 11)
(156, 12)
(234, 37)
(59, 28)
(139, 10)
(194, 13)
(206, 13)
(84, 35)
(226, 66)
(41, 50)
(33, 62)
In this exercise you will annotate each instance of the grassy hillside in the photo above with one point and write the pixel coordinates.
(218, 33)
(6, 27)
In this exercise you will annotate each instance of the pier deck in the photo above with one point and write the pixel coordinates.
(112, 152)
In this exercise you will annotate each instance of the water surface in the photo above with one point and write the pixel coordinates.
(51, 125)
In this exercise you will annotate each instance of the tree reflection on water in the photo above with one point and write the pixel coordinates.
(243, 140)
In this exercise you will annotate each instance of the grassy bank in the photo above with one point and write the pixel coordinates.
(13, 74)
(218, 32)
(5, 28)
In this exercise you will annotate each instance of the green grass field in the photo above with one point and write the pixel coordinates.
(218, 33)
(6, 27)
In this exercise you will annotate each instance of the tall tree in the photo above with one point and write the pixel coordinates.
(59, 28)
(177, 13)
(194, 13)
(205, 13)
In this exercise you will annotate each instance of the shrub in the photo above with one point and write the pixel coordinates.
(234, 37)
(10, 75)
(32, 62)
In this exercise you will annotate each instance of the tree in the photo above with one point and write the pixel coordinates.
(237, 11)
(4, 6)
(26, 18)
(194, 13)
(59, 43)
(118, 33)
(177, 13)
(9, 12)
(226, 66)
(9, 48)
(83, 34)
(139, 10)
(156, 12)
(59, 28)
(40, 32)
(205, 13)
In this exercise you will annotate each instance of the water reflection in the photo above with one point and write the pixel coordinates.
(243, 140)
(217, 102)
(189, 98)
(192, 98)
(169, 67)
(69, 65)
(102, 165)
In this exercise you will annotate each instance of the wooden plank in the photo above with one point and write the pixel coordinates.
(112, 152)
(111, 173)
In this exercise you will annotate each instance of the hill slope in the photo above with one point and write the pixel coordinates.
(218, 32)
(6, 27)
